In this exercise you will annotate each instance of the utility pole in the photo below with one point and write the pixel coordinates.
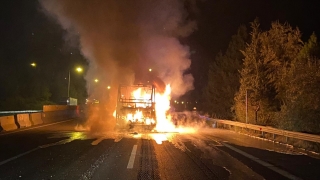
(69, 85)
(246, 106)
(79, 70)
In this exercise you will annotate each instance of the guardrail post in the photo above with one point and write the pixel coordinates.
(286, 139)
(273, 136)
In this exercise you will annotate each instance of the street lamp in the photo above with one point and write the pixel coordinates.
(96, 80)
(78, 69)
(33, 64)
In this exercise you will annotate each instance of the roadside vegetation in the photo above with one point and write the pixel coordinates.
(277, 72)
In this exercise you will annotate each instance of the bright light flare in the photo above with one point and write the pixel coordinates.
(79, 69)
(138, 117)
(142, 96)
(159, 138)
(114, 113)
(129, 117)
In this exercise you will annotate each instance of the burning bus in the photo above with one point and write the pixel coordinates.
(136, 106)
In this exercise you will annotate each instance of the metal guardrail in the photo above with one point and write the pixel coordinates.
(285, 133)
(8, 113)
(20, 112)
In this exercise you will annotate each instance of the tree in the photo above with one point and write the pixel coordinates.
(311, 49)
(267, 59)
(223, 77)
(252, 77)
(301, 110)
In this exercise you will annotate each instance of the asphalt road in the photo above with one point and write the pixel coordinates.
(58, 151)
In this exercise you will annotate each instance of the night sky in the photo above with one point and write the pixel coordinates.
(28, 35)
(219, 20)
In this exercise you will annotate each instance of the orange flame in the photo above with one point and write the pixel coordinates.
(142, 96)
(164, 123)
(163, 120)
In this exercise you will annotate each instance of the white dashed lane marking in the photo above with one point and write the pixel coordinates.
(132, 157)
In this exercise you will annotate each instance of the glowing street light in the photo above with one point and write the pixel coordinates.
(150, 70)
(79, 70)
(108, 87)
(33, 64)
(96, 80)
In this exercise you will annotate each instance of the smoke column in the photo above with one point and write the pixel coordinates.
(123, 38)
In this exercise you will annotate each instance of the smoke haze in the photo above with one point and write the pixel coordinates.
(121, 40)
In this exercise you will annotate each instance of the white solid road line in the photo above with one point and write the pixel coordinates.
(132, 157)
(265, 164)
(17, 156)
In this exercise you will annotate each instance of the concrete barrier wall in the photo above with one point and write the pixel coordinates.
(36, 118)
(55, 116)
(7, 123)
(47, 108)
(23, 120)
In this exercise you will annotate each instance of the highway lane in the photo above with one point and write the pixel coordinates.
(285, 157)
(13, 143)
(59, 152)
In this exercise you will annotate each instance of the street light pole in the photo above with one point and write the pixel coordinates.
(78, 69)
(246, 106)
(69, 85)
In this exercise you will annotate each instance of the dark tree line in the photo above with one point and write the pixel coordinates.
(277, 72)
(23, 86)
(26, 87)
(223, 77)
